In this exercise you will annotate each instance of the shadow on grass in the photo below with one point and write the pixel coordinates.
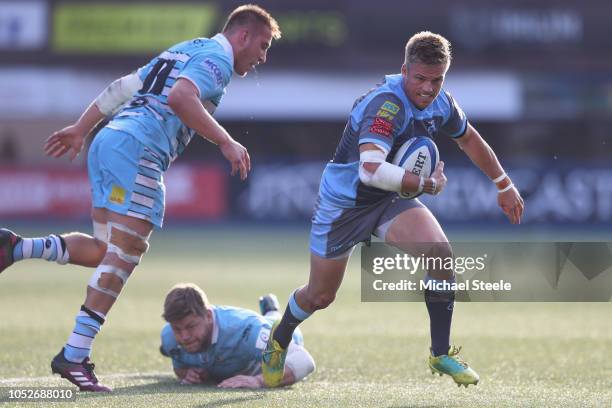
(166, 384)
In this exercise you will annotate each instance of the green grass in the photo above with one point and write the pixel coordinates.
(367, 354)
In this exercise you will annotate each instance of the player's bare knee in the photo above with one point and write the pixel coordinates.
(111, 282)
(127, 244)
(101, 248)
(322, 300)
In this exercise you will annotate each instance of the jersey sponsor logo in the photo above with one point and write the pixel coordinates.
(385, 114)
(390, 107)
(216, 71)
(262, 338)
(382, 127)
(117, 195)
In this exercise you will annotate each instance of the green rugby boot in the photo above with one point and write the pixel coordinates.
(273, 361)
(451, 364)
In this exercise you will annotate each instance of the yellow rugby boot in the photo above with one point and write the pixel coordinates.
(273, 361)
(451, 364)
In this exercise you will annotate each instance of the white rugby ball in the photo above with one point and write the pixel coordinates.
(418, 155)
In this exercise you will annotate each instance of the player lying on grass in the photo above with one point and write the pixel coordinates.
(222, 343)
(158, 110)
(358, 198)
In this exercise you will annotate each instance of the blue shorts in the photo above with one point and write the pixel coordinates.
(126, 177)
(335, 230)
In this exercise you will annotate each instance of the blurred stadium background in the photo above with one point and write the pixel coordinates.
(534, 77)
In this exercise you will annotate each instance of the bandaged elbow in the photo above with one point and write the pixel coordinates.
(117, 93)
(375, 171)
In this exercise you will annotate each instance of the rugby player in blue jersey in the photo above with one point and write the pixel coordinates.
(358, 198)
(223, 344)
(157, 110)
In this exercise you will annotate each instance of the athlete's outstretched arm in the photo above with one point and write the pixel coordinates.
(185, 102)
(71, 138)
(479, 151)
(255, 381)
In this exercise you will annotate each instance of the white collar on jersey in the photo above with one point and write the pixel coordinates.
(215, 333)
(227, 46)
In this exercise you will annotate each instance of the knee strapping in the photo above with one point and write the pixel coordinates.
(96, 278)
(126, 243)
(100, 231)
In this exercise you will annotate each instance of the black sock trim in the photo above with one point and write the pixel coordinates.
(92, 314)
(63, 243)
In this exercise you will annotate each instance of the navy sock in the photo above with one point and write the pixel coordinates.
(293, 316)
(440, 307)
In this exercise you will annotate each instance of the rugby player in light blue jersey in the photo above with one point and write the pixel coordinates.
(158, 109)
(223, 344)
(358, 198)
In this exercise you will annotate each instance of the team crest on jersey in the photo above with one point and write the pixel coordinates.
(430, 126)
(117, 195)
(262, 338)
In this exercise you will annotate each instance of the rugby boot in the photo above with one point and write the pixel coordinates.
(8, 240)
(268, 303)
(273, 361)
(80, 374)
(451, 364)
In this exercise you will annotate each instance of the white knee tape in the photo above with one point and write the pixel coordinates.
(95, 278)
(133, 259)
(127, 230)
(100, 231)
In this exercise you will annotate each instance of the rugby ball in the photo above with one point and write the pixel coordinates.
(419, 155)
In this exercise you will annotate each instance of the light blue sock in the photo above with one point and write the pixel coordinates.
(85, 330)
(50, 248)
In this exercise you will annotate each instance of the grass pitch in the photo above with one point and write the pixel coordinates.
(367, 354)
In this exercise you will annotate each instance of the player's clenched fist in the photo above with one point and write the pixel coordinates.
(436, 183)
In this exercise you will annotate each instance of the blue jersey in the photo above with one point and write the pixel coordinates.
(386, 117)
(207, 63)
(238, 339)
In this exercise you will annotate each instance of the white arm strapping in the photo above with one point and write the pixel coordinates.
(117, 93)
(299, 361)
(386, 177)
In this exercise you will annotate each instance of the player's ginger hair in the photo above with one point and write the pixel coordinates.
(249, 14)
(428, 48)
(185, 299)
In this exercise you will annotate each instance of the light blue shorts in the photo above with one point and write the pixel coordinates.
(126, 177)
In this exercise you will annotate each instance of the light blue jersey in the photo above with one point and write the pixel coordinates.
(386, 117)
(238, 339)
(207, 63)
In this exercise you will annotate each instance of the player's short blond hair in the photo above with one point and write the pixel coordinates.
(185, 299)
(428, 48)
(250, 13)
